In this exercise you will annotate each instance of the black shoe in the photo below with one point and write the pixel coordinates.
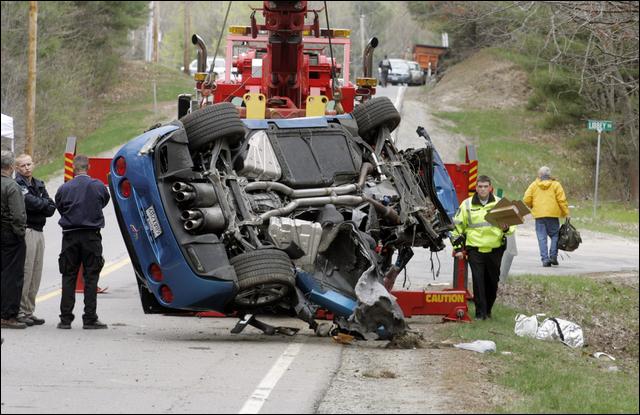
(36, 320)
(554, 260)
(96, 325)
(26, 320)
(546, 264)
(64, 326)
(12, 323)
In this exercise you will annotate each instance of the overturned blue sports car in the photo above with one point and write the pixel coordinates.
(291, 215)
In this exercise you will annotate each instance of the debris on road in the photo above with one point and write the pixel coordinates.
(552, 328)
(343, 338)
(480, 346)
(409, 340)
(598, 355)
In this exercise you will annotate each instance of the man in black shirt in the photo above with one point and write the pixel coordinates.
(385, 68)
(39, 207)
(80, 202)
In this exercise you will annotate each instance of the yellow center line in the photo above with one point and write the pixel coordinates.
(105, 271)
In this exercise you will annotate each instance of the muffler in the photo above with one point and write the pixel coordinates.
(194, 194)
(204, 220)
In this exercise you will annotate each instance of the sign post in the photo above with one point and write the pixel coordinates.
(599, 126)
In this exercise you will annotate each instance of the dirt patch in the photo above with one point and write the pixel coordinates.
(386, 374)
(629, 279)
(410, 340)
(435, 378)
(499, 84)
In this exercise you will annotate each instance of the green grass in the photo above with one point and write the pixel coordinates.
(127, 113)
(511, 148)
(550, 377)
(506, 153)
(611, 217)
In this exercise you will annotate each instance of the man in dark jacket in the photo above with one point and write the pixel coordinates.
(80, 202)
(39, 207)
(385, 68)
(14, 221)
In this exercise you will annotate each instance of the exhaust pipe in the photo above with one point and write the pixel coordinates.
(191, 215)
(185, 196)
(204, 220)
(192, 224)
(202, 52)
(180, 187)
(198, 194)
(367, 57)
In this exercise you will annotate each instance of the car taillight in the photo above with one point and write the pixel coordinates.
(155, 272)
(125, 188)
(166, 294)
(121, 166)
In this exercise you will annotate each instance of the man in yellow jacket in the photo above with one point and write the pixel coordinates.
(546, 198)
(484, 244)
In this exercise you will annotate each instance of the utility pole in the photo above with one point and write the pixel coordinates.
(156, 18)
(362, 35)
(31, 79)
(187, 38)
(148, 36)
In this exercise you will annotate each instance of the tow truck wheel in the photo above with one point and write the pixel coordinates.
(375, 113)
(212, 123)
(265, 277)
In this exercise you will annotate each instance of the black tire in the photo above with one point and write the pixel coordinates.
(211, 123)
(376, 113)
(265, 277)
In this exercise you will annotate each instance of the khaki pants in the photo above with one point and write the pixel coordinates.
(32, 271)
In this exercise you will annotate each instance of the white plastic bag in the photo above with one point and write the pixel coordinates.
(526, 326)
(566, 331)
(480, 346)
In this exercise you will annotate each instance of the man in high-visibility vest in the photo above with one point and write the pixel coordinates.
(484, 245)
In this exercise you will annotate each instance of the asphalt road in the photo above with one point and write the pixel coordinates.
(164, 364)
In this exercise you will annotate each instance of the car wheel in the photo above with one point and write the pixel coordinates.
(375, 113)
(265, 277)
(212, 123)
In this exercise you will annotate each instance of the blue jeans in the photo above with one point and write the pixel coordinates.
(547, 227)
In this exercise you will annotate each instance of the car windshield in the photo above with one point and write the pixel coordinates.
(398, 65)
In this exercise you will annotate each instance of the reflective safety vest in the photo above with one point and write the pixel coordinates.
(469, 221)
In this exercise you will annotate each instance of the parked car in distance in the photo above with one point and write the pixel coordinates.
(219, 67)
(416, 74)
(399, 73)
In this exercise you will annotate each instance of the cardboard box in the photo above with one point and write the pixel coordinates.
(507, 212)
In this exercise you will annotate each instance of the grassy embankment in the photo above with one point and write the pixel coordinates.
(549, 377)
(127, 110)
(512, 160)
(512, 145)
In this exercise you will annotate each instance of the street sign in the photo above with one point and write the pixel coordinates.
(606, 126)
(600, 127)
